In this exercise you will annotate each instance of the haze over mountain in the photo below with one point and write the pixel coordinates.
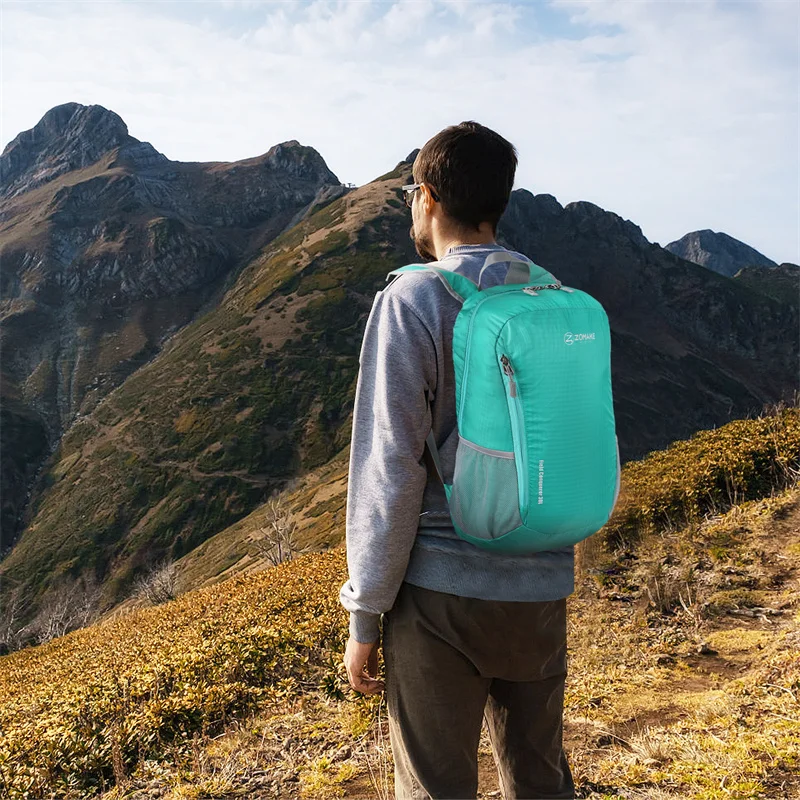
(181, 339)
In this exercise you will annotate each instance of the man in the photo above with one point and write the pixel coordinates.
(466, 631)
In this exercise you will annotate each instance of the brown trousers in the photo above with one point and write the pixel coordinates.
(450, 660)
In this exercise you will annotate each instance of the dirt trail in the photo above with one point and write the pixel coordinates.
(695, 674)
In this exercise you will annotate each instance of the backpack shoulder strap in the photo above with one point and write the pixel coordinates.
(437, 463)
(459, 286)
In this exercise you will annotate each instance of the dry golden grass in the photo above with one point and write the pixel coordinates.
(649, 710)
(237, 689)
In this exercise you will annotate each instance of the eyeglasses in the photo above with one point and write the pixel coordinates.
(408, 193)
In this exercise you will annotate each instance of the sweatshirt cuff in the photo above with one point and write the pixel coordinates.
(364, 627)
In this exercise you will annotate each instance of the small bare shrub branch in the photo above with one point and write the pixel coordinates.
(278, 540)
(69, 606)
(159, 584)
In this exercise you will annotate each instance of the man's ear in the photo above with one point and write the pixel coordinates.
(428, 202)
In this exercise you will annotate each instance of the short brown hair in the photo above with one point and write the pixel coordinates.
(471, 168)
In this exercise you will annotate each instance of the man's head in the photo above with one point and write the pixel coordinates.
(467, 173)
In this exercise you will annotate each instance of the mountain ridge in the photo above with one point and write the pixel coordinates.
(103, 261)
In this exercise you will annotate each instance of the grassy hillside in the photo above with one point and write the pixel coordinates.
(689, 480)
(237, 688)
(241, 400)
(782, 283)
(315, 504)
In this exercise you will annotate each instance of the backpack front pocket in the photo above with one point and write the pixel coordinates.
(484, 501)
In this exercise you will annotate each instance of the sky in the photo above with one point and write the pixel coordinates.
(676, 115)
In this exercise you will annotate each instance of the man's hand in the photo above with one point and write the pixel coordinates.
(356, 657)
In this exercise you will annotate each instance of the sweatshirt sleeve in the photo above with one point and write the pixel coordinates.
(387, 475)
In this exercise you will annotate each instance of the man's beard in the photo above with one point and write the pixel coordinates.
(423, 245)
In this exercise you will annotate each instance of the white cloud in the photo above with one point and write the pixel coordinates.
(403, 19)
(675, 115)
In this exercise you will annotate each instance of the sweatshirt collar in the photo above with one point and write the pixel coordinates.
(462, 249)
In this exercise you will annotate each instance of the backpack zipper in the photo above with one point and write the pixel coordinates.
(532, 289)
(509, 371)
(517, 433)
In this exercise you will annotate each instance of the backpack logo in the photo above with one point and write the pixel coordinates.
(541, 481)
(569, 338)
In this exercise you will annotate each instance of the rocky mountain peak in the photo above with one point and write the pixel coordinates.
(299, 160)
(718, 252)
(67, 137)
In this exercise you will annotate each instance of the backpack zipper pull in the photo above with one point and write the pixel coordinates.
(532, 289)
(509, 370)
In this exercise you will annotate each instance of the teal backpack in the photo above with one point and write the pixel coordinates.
(537, 464)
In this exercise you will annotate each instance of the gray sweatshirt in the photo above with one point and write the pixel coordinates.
(398, 526)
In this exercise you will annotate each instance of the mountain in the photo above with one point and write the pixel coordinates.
(69, 137)
(682, 335)
(718, 251)
(256, 389)
(107, 248)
